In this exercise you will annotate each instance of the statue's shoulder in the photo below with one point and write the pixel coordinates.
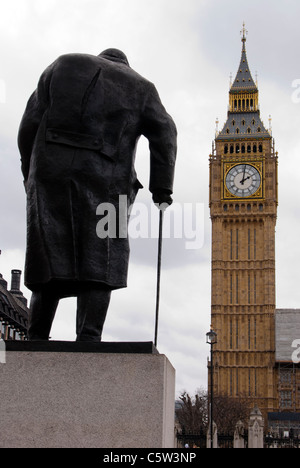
(76, 58)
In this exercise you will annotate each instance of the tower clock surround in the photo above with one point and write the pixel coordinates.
(243, 180)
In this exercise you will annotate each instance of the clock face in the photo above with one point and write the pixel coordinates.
(243, 180)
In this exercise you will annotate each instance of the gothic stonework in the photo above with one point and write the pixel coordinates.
(243, 207)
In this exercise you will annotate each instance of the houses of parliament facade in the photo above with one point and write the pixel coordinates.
(253, 354)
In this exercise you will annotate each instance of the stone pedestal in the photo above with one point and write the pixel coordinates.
(101, 395)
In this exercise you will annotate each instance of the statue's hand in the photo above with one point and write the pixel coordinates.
(162, 198)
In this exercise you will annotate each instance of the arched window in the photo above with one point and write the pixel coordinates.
(225, 149)
(237, 148)
(249, 149)
(260, 148)
(254, 149)
(231, 149)
(243, 149)
(248, 130)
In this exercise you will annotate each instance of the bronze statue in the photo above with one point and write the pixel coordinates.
(77, 141)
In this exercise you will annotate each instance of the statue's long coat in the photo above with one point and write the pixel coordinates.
(77, 141)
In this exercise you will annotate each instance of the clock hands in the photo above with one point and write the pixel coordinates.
(245, 178)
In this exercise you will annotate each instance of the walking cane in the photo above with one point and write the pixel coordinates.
(161, 218)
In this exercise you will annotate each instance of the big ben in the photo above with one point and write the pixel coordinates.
(243, 208)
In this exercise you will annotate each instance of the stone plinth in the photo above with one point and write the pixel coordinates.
(101, 395)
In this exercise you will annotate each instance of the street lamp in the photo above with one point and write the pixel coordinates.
(211, 339)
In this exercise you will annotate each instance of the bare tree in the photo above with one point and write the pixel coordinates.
(191, 413)
(228, 411)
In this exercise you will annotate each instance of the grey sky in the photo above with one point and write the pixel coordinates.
(188, 49)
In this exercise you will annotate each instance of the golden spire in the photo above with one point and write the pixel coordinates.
(270, 124)
(244, 33)
(217, 126)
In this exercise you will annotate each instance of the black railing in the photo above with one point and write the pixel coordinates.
(191, 440)
(282, 442)
(225, 441)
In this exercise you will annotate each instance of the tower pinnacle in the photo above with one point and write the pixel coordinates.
(244, 33)
(243, 112)
(244, 80)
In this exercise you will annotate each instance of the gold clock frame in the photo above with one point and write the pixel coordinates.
(259, 166)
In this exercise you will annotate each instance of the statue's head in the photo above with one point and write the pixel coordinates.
(115, 55)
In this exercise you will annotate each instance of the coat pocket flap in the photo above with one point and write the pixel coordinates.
(80, 140)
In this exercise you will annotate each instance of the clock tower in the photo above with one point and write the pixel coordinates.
(243, 207)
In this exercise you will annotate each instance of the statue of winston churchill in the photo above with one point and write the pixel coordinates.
(77, 140)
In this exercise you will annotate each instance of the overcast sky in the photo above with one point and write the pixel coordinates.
(188, 49)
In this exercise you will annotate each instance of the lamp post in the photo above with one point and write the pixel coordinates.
(211, 339)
